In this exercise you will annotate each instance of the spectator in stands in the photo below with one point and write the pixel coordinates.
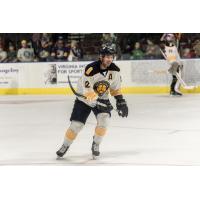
(36, 41)
(47, 37)
(2, 41)
(152, 50)
(25, 54)
(109, 39)
(12, 54)
(59, 52)
(44, 51)
(76, 52)
(186, 53)
(137, 53)
(3, 54)
(196, 48)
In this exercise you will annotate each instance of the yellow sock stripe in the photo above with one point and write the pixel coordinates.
(70, 135)
(99, 131)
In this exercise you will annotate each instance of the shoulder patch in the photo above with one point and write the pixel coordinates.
(92, 68)
(89, 70)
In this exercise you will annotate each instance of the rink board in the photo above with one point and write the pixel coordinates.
(138, 77)
(67, 91)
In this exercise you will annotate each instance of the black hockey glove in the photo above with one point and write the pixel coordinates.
(104, 105)
(121, 105)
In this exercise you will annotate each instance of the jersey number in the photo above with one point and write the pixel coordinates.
(110, 77)
(87, 84)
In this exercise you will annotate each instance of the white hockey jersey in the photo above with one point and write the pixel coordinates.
(172, 54)
(94, 74)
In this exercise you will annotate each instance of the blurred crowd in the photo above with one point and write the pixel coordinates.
(39, 48)
(149, 48)
(46, 47)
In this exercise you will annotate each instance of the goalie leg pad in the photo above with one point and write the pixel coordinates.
(174, 81)
(178, 84)
(174, 68)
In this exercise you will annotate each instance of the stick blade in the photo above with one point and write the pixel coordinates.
(189, 87)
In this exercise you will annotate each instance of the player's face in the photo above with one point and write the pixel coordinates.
(106, 61)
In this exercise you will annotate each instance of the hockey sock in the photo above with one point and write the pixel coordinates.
(99, 134)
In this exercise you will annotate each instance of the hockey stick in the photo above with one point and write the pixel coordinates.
(74, 91)
(184, 85)
(178, 38)
(164, 55)
(187, 87)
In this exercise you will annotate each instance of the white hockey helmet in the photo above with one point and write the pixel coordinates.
(170, 37)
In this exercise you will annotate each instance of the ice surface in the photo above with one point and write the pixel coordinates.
(160, 130)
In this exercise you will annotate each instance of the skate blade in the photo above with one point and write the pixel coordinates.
(59, 158)
(95, 157)
(175, 96)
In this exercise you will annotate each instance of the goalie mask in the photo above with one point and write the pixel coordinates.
(170, 39)
(101, 87)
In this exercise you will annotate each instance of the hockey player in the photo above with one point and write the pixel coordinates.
(99, 79)
(170, 52)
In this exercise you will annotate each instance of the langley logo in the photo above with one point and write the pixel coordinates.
(10, 70)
